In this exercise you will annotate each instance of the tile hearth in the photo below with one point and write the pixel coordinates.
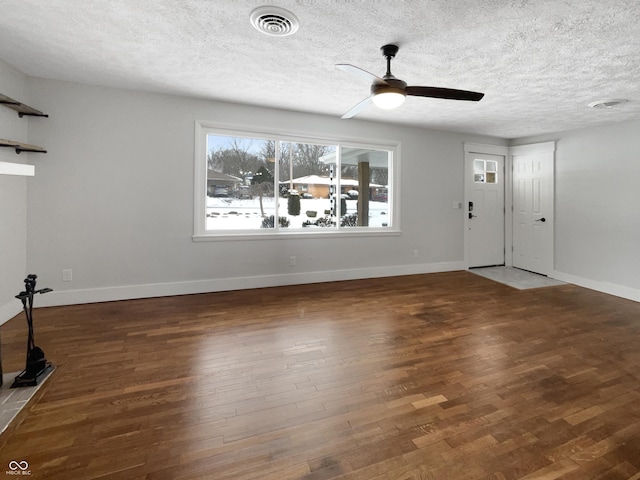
(12, 400)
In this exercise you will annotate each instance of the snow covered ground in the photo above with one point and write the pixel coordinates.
(244, 214)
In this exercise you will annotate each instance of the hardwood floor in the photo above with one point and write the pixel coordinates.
(442, 376)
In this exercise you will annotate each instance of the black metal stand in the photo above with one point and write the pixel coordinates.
(36, 362)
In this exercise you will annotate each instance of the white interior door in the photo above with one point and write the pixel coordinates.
(533, 176)
(484, 192)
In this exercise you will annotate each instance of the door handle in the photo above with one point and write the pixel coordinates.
(541, 220)
(471, 215)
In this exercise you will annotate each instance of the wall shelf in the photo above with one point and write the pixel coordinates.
(20, 107)
(22, 110)
(21, 147)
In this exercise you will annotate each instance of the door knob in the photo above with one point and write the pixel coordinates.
(541, 220)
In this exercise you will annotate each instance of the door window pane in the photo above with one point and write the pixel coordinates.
(485, 171)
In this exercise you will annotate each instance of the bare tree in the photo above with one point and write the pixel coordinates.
(380, 176)
(215, 160)
(306, 159)
(235, 158)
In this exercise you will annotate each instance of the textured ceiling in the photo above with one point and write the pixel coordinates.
(539, 62)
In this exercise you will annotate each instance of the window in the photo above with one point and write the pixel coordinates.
(251, 183)
(485, 171)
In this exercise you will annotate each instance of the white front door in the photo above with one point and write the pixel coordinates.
(484, 209)
(533, 207)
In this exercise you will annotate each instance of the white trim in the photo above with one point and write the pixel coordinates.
(508, 209)
(204, 128)
(485, 149)
(544, 147)
(9, 310)
(297, 234)
(199, 180)
(604, 287)
(298, 136)
(107, 294)
(20, 169)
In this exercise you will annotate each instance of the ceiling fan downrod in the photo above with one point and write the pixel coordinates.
(389, 52)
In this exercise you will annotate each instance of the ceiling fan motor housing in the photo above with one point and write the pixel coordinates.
(392, 85)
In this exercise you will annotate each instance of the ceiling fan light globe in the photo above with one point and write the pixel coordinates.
(388, 100)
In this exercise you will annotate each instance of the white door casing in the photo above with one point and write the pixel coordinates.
(533, 206)
(484, 209)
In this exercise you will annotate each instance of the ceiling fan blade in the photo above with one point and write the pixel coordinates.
(448, 93)
(369, 77)
(358, 108)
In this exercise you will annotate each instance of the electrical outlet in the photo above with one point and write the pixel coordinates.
(292, 261)
(67, 275)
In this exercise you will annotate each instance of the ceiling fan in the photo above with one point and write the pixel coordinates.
(389, 92)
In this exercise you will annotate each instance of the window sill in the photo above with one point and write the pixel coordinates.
(234, 236)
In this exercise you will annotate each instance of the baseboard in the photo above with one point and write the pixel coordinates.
(604, 287)
(10, 310)
(128, 292)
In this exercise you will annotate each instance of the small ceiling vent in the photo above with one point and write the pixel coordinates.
(274, 21)
(607, 103)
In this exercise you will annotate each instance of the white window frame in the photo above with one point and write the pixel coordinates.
(200, 233)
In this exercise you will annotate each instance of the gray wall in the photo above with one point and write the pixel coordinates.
(113, 200)
(597, 230)
(13, 196)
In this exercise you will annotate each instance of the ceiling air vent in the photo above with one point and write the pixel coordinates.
(274, 21)
(607, 103)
